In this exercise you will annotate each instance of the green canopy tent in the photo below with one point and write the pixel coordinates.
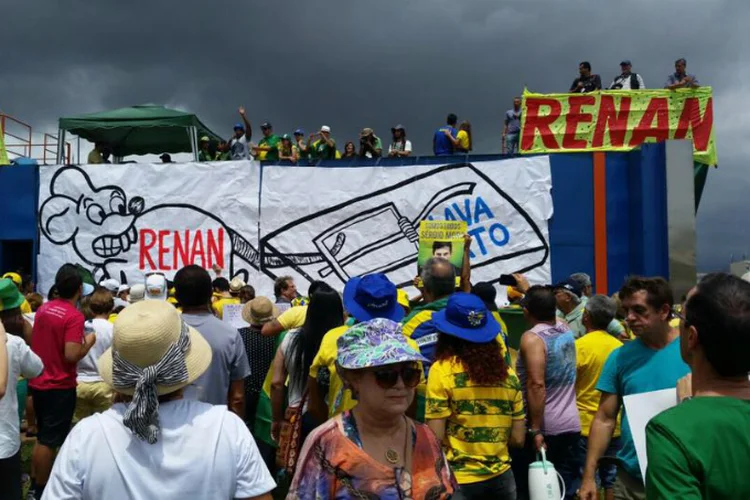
(138, 130)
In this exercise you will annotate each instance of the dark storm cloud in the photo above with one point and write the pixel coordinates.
(351, 64)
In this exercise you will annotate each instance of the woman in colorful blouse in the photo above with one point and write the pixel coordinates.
(374, 450)
(474, 400)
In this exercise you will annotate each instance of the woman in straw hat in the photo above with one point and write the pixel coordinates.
(374, 450)
(153, 443)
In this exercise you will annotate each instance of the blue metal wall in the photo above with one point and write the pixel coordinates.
(636, 211)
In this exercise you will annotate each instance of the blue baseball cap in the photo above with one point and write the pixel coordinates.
(239, 126)
(372, 296)
(569, 285)
(299, 131)
(466, 317)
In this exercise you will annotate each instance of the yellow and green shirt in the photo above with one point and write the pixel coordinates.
(272, 141)
(479, 419)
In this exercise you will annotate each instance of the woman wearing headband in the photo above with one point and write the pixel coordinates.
(153, 443)
(374, 450)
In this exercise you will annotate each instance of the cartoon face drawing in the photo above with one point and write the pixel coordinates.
(98, 222)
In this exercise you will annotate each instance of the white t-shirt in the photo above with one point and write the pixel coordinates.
(21, 361)
(407, 147)
(238, 148)
(87, 370)
(203, 451)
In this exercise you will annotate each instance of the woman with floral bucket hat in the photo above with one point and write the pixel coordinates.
(474, 399)
(374, 450)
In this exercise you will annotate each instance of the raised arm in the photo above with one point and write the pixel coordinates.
(466, 265)
(248, 127)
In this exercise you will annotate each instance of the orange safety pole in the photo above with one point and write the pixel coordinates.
(600, 222)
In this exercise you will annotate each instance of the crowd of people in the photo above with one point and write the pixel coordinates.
(145, 392)
(453, 138)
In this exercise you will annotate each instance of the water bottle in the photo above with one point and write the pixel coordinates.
(543, 484)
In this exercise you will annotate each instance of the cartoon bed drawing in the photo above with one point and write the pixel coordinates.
(377, 232)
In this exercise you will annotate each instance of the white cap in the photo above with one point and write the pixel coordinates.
(325, 128)
(156, 287)
(137, 293)
(110, 284)
(123, 288)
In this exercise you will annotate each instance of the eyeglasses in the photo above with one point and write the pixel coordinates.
(388, 377)
(681, 317)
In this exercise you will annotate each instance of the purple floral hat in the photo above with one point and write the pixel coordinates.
(377, 342)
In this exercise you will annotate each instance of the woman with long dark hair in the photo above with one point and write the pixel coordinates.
(296, 354)
(474, 398)
(400, 146)
(350, 150)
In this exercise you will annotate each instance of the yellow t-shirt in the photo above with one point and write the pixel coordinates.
(219, 304)
(463, 140)
(294, 317)
(479, 420)
(338, 399)
(95, 158)
(592, 351)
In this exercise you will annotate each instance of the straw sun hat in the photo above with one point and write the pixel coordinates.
(142, 334)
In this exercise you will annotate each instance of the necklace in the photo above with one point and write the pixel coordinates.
(391, 455)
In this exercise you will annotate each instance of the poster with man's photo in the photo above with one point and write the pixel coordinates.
(444, 239)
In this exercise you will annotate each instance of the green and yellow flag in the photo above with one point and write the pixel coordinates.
(618, 120)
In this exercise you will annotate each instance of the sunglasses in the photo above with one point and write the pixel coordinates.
(388, 377)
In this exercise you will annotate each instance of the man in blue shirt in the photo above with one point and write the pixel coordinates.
(512, 128)
(651, 362)
(680, 79)
(441, 145)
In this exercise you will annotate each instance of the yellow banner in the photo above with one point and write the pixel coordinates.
(618, 120)
(3, 152)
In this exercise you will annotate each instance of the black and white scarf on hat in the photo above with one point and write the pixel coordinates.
(142, 415)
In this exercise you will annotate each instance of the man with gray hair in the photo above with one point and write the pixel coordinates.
(584, 284)
(592, 351)
(583, 281)
(438, 283)
(570, 306)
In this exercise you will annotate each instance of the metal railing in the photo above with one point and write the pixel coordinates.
(18, 138)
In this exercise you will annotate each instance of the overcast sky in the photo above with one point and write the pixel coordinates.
(351, 64)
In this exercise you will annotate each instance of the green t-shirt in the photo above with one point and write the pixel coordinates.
(272, 141)
(204, 156)
(322, 151)
(700, 449)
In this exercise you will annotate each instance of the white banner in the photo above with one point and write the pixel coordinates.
(127, 220)
(312, 223)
